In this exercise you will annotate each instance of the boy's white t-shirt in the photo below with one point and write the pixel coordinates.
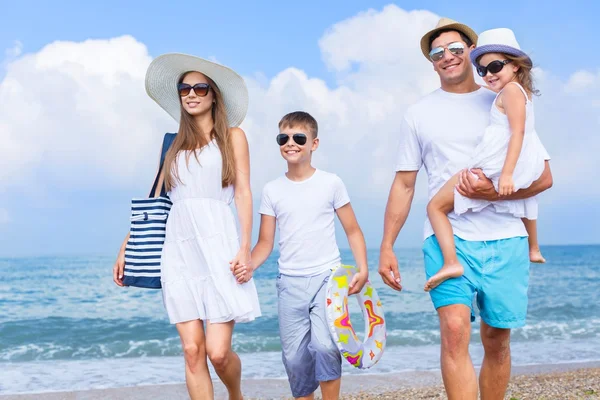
(440, 132)
(305, 213)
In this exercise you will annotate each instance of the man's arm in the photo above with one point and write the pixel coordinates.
(396, 212)
(482, 188)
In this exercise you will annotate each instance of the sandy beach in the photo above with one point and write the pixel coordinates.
(561, 381)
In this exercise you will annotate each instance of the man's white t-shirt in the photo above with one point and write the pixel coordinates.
(305, 213)
(440, 132)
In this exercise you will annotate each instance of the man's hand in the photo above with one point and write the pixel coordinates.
(388, 269)
(475, 185)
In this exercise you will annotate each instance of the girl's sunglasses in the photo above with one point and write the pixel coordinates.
(201, 89)
(494, 67)
(455, 48)
(299, 138)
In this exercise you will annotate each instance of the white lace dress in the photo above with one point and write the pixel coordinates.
(201, 239)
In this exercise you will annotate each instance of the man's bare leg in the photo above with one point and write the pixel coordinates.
(458, 373)
(495, 369)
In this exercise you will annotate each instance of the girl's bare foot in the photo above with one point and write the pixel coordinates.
(535, 256)
(448, 271)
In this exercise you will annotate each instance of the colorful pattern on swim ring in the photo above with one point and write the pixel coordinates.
(365, 354)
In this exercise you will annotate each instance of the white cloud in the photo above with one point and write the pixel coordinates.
(77, 113)
(582, 81)
(379, 70)
(567, 120)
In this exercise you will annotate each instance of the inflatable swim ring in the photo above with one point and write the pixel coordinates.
(365, 354)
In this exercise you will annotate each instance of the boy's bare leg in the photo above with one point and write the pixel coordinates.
(437, 211)
(535, 255)
(330, 390)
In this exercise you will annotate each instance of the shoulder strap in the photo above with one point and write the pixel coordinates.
(167, 142)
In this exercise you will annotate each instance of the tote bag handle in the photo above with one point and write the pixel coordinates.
(167, 142)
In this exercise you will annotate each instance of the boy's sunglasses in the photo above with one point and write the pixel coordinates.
(299, 138)
(201, 89)
(494, 67)
(455, 48)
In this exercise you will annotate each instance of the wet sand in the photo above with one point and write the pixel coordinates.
(559, 381)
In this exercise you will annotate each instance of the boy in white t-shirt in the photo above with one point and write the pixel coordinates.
(303, 202)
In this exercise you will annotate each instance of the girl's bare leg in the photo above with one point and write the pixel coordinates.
(535, 255)
(437, 211)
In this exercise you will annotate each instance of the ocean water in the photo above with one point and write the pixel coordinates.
(64, 325)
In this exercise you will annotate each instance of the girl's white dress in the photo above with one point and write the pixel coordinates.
(201, 239)
(490, 155)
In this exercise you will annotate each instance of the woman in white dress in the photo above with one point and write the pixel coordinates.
(205, 169)
(510, 152)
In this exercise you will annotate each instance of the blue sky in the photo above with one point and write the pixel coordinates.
(47, 214)
(268, 36)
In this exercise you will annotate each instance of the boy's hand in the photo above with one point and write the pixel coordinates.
(358, 282)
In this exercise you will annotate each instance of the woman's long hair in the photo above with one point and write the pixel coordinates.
(190, 137)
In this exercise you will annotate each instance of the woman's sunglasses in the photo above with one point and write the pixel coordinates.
(299, 138)
(201, 89)
(455, 48)
(494, 67)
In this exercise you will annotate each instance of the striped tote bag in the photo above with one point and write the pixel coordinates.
(147, 233)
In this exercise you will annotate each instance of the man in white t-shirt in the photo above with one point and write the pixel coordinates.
(440, 132)
(304, 202)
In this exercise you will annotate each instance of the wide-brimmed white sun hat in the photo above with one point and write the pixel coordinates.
(500, 40)
(166, 70)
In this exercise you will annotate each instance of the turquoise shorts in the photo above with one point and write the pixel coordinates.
(496, 272)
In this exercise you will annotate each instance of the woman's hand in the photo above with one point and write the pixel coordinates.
(241, 266)
(119, 268)
(243, 273)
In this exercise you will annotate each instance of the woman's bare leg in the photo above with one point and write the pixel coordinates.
(227, 364)
(197, 376)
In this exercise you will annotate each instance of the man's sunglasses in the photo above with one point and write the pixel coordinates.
(201, 89)
(299, 138)
(494, 67)
(455, 48)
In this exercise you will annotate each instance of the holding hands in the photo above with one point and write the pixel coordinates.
(241, 266)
